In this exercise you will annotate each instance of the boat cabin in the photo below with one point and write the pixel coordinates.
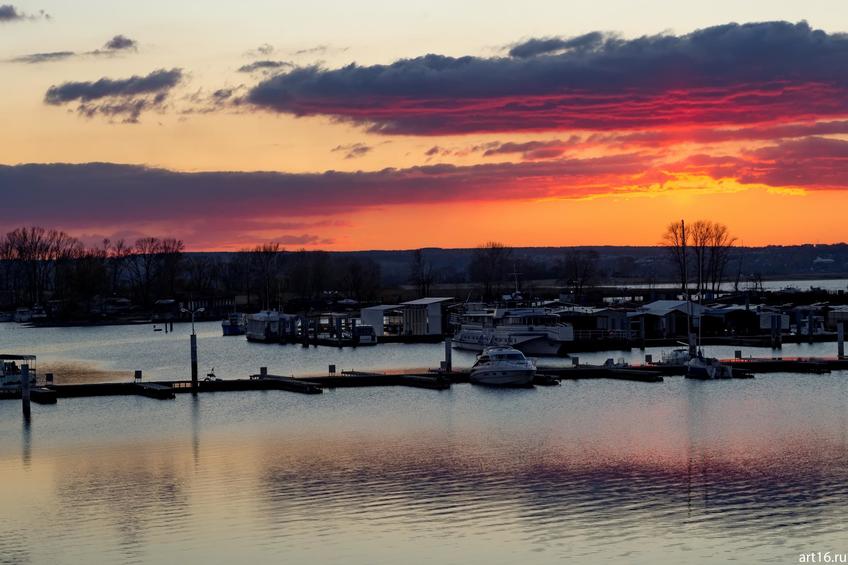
(10, 368)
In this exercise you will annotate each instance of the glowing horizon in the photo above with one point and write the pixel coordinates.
(530, 132)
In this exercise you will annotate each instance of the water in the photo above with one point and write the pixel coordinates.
(591, 471)
(112, 353)
(831, 285)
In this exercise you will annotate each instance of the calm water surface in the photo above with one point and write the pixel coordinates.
(591, 471)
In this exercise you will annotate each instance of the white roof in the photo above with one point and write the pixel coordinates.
(381, 307)
(665, 307)
(427, 301)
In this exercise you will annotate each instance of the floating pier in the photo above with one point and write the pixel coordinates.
(425, 379)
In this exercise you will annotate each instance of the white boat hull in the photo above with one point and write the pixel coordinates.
(502, 377)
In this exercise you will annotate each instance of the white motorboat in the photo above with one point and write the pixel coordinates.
(678, 356)
(707, 368)
(533, 331)
(502, 366)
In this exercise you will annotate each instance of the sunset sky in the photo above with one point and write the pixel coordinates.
(393, 125)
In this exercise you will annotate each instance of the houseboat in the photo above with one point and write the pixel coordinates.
(270, 326)
(533, 331)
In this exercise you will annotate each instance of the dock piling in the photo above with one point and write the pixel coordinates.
(137, 376)
(840, 338)
(193, 363)
(25, 391)
(448, 353)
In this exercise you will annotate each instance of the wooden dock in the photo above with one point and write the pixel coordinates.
(431, 380)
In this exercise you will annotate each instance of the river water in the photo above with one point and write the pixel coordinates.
(590, 471)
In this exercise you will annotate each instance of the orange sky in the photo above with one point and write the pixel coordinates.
(551, 131)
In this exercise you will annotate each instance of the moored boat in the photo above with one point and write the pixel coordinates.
(235, 324)
(707, 368)
(533, 331)
(502, 366)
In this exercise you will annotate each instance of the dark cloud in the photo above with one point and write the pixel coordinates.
(810, 163)
(36, 58)
(264, 65)
(117, 44)
(548, 45)
(728, 75)
(9, 13)
(531, 150)
(126, 98)
(96, 194)
(353, 150)
(318, 50)
(121, 43)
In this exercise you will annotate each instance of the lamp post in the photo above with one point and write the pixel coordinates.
(193, 348)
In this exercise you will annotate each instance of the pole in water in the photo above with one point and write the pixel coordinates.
(25, 390)
(193, 363)
(840, 338)
(448, 367)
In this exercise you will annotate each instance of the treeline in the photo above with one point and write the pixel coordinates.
(52, 269)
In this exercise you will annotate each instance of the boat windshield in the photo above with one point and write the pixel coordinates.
(509, 357)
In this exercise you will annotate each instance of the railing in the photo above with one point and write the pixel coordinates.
(588, 335)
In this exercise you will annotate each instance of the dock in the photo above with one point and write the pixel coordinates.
(424, 379)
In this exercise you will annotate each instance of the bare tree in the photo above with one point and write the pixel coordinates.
(421, 273)
(359, 278)
(674, 240)
(489, 267)
(700, 234)
(578, 269)
(720, 245)
(265, 260)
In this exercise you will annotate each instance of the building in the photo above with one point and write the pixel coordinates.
(422, 317)
(666, 318)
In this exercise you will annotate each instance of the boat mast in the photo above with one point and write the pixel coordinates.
(684, 258)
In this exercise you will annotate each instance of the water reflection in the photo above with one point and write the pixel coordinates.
(26, 442)
(680, 472)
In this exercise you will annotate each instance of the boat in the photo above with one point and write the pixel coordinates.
(533, 331)
(707, 368)
(270, 326)
(10, 369)
(363, 334)
(502, 366)
(235, 324)
(678, 356)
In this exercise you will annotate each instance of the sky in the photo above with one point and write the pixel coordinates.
(387, 125)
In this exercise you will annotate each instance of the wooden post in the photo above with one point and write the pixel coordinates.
(25, 391)
(137, 376)
(263, 372)
(448, 353)
(193, 364)
(810, 326)
(649, 359)
(776, 330)
(840, 339)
